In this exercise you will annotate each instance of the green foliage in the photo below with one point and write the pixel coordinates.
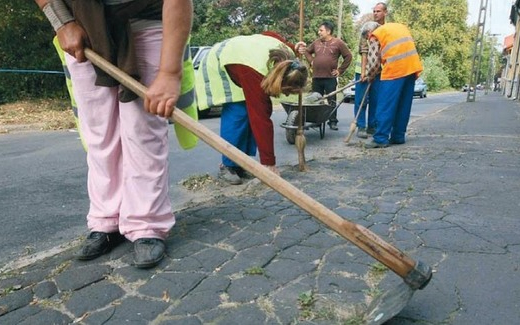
(435, 74)
(26, 44)
(439, 29)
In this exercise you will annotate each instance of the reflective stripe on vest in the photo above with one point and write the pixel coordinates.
(394, 43)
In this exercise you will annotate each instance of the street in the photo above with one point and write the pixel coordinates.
(43, 177)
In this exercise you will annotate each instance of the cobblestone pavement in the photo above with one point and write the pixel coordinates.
(448, 197)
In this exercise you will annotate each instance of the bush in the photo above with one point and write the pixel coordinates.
(26, 44)
(435, 74)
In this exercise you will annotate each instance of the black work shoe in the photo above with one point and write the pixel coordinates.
(371, 131)
(333, 126)
(98, 243)
(242, 173)
(148, 252)
(362, 133)
(392, 141)
(374, 145)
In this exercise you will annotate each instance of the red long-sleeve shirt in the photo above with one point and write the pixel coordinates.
(259, 109)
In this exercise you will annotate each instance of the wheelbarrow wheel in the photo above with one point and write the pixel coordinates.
(290, 133)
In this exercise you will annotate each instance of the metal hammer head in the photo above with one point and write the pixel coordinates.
(419, 277)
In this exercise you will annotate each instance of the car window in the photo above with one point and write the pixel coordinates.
(202, 53)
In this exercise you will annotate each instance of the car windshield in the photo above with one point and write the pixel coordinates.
(419, 81)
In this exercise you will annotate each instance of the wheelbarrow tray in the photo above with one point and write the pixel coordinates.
(313, 113)
(315, 116)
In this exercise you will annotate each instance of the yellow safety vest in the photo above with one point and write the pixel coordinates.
(213, 85)
(186, 101)
(399, 56)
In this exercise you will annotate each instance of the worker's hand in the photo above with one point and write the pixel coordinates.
(73, 40)
(273, 169)
(363, 78)
(300, 47)
(335, 73)
(163, 94)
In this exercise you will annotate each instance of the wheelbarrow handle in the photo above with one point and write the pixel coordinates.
(340, 89)
(369, 242)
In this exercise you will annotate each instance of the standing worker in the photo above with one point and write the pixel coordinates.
(323, 55)
(365, 129)
(126, 137)
(394, 44)
(241, 73)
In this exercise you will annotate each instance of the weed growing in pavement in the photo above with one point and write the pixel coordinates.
(60, 268)
(255, 271)
(378, 270)
(306, 301)
(356, 320)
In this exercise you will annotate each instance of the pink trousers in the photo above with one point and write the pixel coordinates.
(127, 148)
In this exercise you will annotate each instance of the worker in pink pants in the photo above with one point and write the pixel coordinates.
(126, 137)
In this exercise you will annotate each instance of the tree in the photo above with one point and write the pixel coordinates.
(439, 29)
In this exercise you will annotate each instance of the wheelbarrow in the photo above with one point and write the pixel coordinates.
(314, 116)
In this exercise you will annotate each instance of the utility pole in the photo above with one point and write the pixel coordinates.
(340, 18)
(477, 52)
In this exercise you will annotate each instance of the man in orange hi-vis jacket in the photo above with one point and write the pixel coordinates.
(401, 65)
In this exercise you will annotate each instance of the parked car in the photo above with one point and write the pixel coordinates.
(197, 54)
(349, 93)
(420, 89)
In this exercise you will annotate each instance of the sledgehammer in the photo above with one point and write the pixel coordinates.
(416, 275)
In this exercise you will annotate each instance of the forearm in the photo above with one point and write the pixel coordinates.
(347, 59)
(363, 65)
(41, 3)
(177, 20)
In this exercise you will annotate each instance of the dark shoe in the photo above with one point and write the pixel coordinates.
(396, 142)
(242, 173)
(374, 145)
(98, 243)
(333, 126)
(362, 133)
(229, 175)
(148, 252)
(371, 131)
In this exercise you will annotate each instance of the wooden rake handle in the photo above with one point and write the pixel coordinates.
(366, 240)
(351, 132)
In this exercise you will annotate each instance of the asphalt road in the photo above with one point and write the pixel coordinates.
(43, 198)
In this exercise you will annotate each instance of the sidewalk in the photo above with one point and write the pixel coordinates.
(448, 197)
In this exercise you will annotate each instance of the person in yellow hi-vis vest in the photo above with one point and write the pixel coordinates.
(127, 138)
(241, 73)
(401, 65)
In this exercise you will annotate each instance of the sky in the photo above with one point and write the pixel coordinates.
(497, 19)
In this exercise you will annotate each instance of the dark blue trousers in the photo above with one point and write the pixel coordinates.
(370, 101)
(394, 104)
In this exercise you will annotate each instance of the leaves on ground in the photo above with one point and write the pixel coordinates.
(40, 114)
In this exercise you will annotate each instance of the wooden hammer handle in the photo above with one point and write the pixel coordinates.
(369, 242)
